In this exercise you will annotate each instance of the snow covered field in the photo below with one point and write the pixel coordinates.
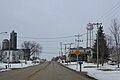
(106, 72)
(15, 65)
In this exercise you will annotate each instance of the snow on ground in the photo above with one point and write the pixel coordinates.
(15, 65)
(106, 72)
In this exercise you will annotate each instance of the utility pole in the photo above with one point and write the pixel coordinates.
(70, 50)
(78, 40)
(70, 44)
(61, 49)
(65, 50)
(98, 24)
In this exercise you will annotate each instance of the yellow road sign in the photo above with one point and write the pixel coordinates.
(77, 52)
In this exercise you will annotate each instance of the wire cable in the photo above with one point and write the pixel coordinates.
(49, 52)
(110, 12)
(46, 38)
(111, 16)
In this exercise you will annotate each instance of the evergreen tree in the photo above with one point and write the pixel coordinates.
(102, 47)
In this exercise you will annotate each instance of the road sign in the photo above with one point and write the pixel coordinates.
(77, 52)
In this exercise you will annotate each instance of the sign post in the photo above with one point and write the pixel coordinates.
(80, 65)
(77, 53)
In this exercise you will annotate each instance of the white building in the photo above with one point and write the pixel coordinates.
(10, 56)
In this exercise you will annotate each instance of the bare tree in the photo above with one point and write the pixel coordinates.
(109, 41)
(34, 47)
(115, 30)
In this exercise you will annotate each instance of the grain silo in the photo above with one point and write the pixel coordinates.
(5, 44)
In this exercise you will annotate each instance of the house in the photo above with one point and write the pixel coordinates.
(85, 54)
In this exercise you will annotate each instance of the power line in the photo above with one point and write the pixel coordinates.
(50, 53)
(110, 11)
(45, 38)
(44, 41)
(49, 38)
(111, 16)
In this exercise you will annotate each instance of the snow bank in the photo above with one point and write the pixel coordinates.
(106, 72)
(15, 65)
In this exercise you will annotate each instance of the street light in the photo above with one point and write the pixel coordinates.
(9, 55)
(3, 33)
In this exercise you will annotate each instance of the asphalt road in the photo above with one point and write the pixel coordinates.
(45, 71)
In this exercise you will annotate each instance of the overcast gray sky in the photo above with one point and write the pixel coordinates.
(54, 18)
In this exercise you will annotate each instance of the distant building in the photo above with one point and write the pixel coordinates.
(85, 54)
(10, 53)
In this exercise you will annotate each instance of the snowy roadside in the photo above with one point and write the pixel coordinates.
(15, 65)
(106, 72)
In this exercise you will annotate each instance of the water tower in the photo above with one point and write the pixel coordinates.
(89, 34)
